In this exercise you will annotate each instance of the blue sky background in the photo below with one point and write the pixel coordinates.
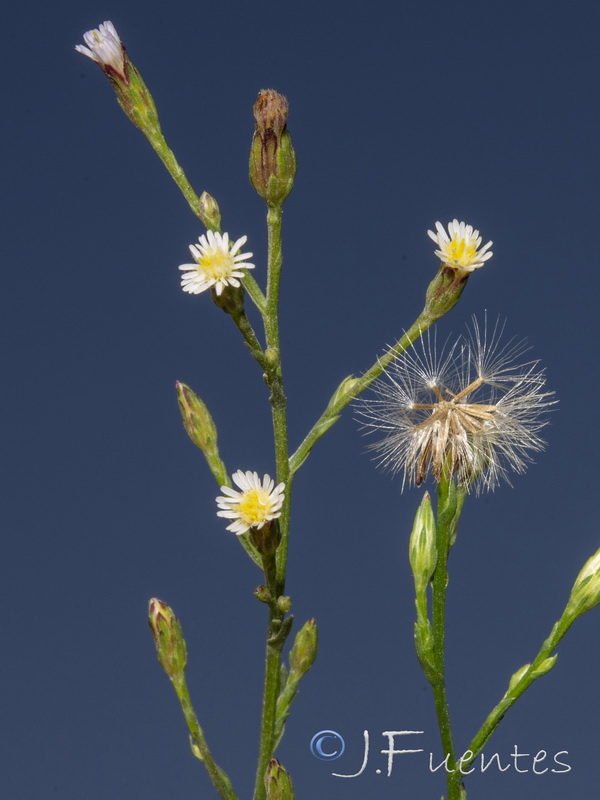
(401, 115)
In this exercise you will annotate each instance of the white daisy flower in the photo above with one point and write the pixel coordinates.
(473, 410)
(104, 47)
(257, 502)
(218, 264)
(459, 247)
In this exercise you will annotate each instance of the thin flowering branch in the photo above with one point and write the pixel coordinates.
(104, 46)
(172, 655)
(350, 388)
(442, 294)
(584, 596)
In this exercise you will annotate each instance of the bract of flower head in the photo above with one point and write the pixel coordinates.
(472, 411)
(104, 47)
(258, 501)
(218, 264)
(459, 247)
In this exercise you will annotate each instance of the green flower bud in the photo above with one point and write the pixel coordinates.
(272, 357)
(304, 649)
(585, 593)
(444, 292)
(278, 782)
(168, 638)
(209, 212)
(545, 666)
(196, 750)
(266, 538)
(516, 677)
(230, 300)
(284, 604)
(106, 49)
(272, 157)
(200, 428)
(339, 396)
(422, 546)
(302, 657)
(263, 594)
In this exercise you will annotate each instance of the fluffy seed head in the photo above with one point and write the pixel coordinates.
(473, 410)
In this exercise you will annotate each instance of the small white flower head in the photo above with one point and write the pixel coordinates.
(459, 248)
(105, 48)
(472, 411)
(258, 501)
(218, 264)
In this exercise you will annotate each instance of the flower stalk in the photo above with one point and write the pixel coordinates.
(278, 626)
(584, 596)
(450, 502)
(172, 655)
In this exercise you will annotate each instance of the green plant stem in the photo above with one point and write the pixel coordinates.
(166, 155)
(247, 331)
(340, 399)
(513, 693)
(220, 780)
(275, 641)
(275, 382)
(446, 515)
(278, 627)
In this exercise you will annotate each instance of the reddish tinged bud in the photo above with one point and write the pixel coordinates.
(272, 157)
(168, 638)
(278, 782)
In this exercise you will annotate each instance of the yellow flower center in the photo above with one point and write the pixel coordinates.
(254, 507)
(216, 265)
(460, 252)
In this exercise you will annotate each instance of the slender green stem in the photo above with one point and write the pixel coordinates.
(275, 381)
(166, 155)
(535, 670)
(275, 574)
(446, 515)
(275, 644)
(345, 392)
(247, 331)
(255, 292)
(220, 781)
